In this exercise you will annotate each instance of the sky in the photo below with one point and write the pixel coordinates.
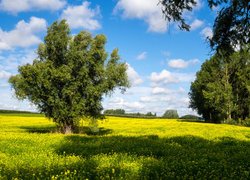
(162, 60)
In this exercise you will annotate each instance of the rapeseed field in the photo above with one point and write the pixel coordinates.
(123, 148)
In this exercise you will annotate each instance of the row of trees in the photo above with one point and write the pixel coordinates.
(221, 91)
(123, 113)
(169, 114)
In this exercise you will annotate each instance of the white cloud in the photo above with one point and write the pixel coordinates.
(149, 11)
(82, 16)
(133, 76)
(181, 64)
(24, 34)
(207, 32)
(164, 76)
(16, 6)
(167, 77)
(196, 24)
(165, 91)
(160, 90)
(120, 103)
(4, 74)
(142, 56)
(19, 58)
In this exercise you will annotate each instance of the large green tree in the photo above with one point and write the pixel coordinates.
(231, 26)
(70, 76)
(221, 88)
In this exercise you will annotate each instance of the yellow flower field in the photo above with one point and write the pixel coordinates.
(123, 148)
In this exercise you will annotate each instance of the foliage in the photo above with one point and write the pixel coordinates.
(220, 90)
(128, 149)
(171, 114)
(15, 112)
(122, 113)
(70, 76)
(231, 26)
(114, 111)
(174, 10)
(190, 116)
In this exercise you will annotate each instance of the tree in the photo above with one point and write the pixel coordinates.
(171, 114)
(220, 90)
(240, 80)
(114, 112)
(70, 76)
(231, 26)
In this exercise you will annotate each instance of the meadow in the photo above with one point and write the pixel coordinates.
(123, 148)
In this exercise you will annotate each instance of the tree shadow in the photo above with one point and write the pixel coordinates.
(40, 129)
(191, 120)
(80, 130)
(141, 157)
(89, 131)
(182, 156)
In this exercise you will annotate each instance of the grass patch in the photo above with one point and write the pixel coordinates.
(124, 148)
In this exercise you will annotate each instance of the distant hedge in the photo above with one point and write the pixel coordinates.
(19, 113)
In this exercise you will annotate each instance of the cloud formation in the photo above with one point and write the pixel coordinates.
(181, 64)
(150, 11)
(196, 24)
(4, 74)
(142, 56)
(23, 35)
(207, 32)
(82, 16)
(133, 76)
(167, 77)
(16, 6)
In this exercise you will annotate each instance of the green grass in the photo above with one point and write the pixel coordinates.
(124, 148)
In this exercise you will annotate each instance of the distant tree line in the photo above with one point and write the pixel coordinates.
(3, 111)
(121, 112)
(169, 114)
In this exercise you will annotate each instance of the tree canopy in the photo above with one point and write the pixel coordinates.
(171, 114)
(70, 76)
(221, 90)
(231, 26)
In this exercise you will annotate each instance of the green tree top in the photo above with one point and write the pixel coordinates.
(231, 26)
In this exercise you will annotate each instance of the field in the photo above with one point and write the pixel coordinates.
(124, 148)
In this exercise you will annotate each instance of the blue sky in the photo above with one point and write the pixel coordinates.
(162, 60)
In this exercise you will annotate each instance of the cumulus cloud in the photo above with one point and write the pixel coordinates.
(23, 35)
(167, 77)
(181, 64)
(196, 24)
(16, 6)
(82, 16)
(142, 56)
(165, 91)
(121, 103)
(207, 32)
(160, 90)
(133, 76)
(149, 11)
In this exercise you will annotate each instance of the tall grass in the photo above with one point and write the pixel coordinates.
(123, 148)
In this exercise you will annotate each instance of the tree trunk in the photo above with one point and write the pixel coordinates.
(67, 129)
